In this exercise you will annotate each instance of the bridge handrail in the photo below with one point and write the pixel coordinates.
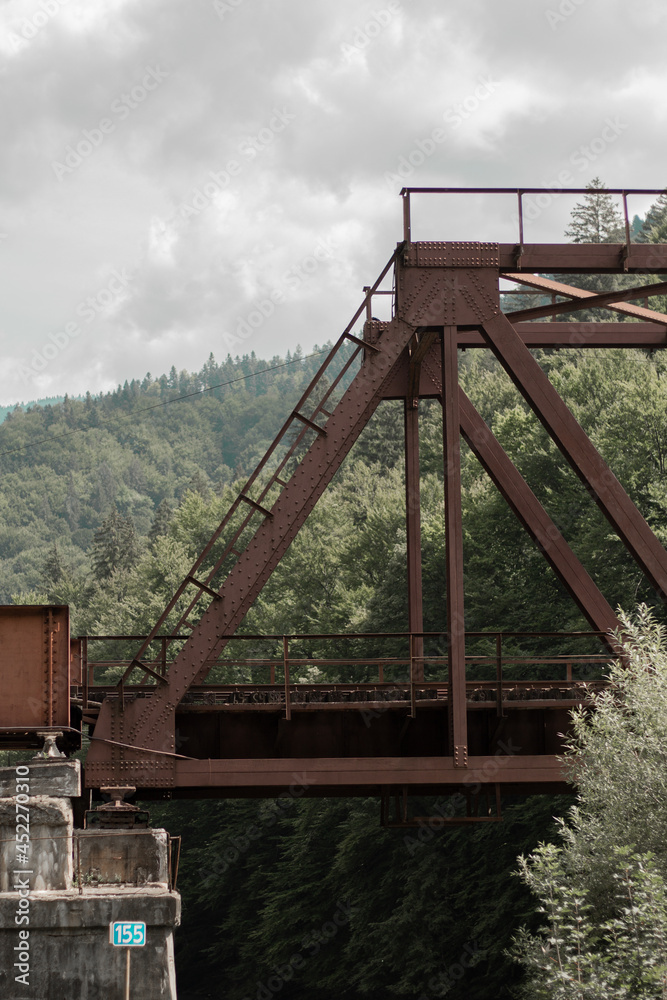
(281, 664)
(519, 192)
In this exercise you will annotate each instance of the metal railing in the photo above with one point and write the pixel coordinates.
(518, 193)
(413, 665)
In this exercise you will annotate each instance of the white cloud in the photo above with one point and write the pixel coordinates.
(300, 110)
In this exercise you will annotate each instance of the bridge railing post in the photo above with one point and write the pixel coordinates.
(406, 215)
(288, 696)
(499, 674)
(413, 703)
(86, 676)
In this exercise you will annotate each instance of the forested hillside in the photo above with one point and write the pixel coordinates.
(102, 500)
(105, 502)
(66, 468)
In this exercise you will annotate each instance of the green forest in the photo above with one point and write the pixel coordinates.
(106, 501)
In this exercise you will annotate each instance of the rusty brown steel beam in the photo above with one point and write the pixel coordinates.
(536, 521)
(454, 546)
(577, 448)
(35, 666)
(331, 773)
(248, 636)
(347, 791)
(413, 530)
(418, 351)
(594, 301)
(557, 287)
(628, 335)
(588, 258)
(557, 191)
(557, 258)
(584, 258)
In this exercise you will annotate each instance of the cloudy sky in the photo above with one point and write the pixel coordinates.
(180, 177)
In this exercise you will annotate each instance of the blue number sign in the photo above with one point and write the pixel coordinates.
(127, 933)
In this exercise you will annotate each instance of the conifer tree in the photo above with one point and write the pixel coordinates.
(53, 569)
(115, 545)
(596, 219)
(654, 229)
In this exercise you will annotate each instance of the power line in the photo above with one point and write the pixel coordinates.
(165, 402)
(220, 385)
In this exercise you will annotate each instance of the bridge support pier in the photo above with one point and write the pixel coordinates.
(61, 888)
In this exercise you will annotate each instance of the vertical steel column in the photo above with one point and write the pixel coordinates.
(413, 527)
(288, 696)
(50, 666)
(454, 547)
(86, 678)
(499, 675)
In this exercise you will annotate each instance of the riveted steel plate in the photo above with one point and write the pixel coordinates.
(468, 254)
(35, 666)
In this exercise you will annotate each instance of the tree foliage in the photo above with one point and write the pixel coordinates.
(115, 545)
(602, 893)
(596, 219)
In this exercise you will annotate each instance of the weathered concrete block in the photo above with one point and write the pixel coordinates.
(54, 938)
(70, 956)
(48, 823)
(95, 908)
(134, 857)
(57, 778)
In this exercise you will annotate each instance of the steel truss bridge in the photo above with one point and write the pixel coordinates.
(193, 710)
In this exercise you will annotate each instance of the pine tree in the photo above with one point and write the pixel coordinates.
(654, 229)
(115, 545)
(596, 219)
(53, 569)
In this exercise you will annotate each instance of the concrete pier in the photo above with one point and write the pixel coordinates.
(61, 889)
